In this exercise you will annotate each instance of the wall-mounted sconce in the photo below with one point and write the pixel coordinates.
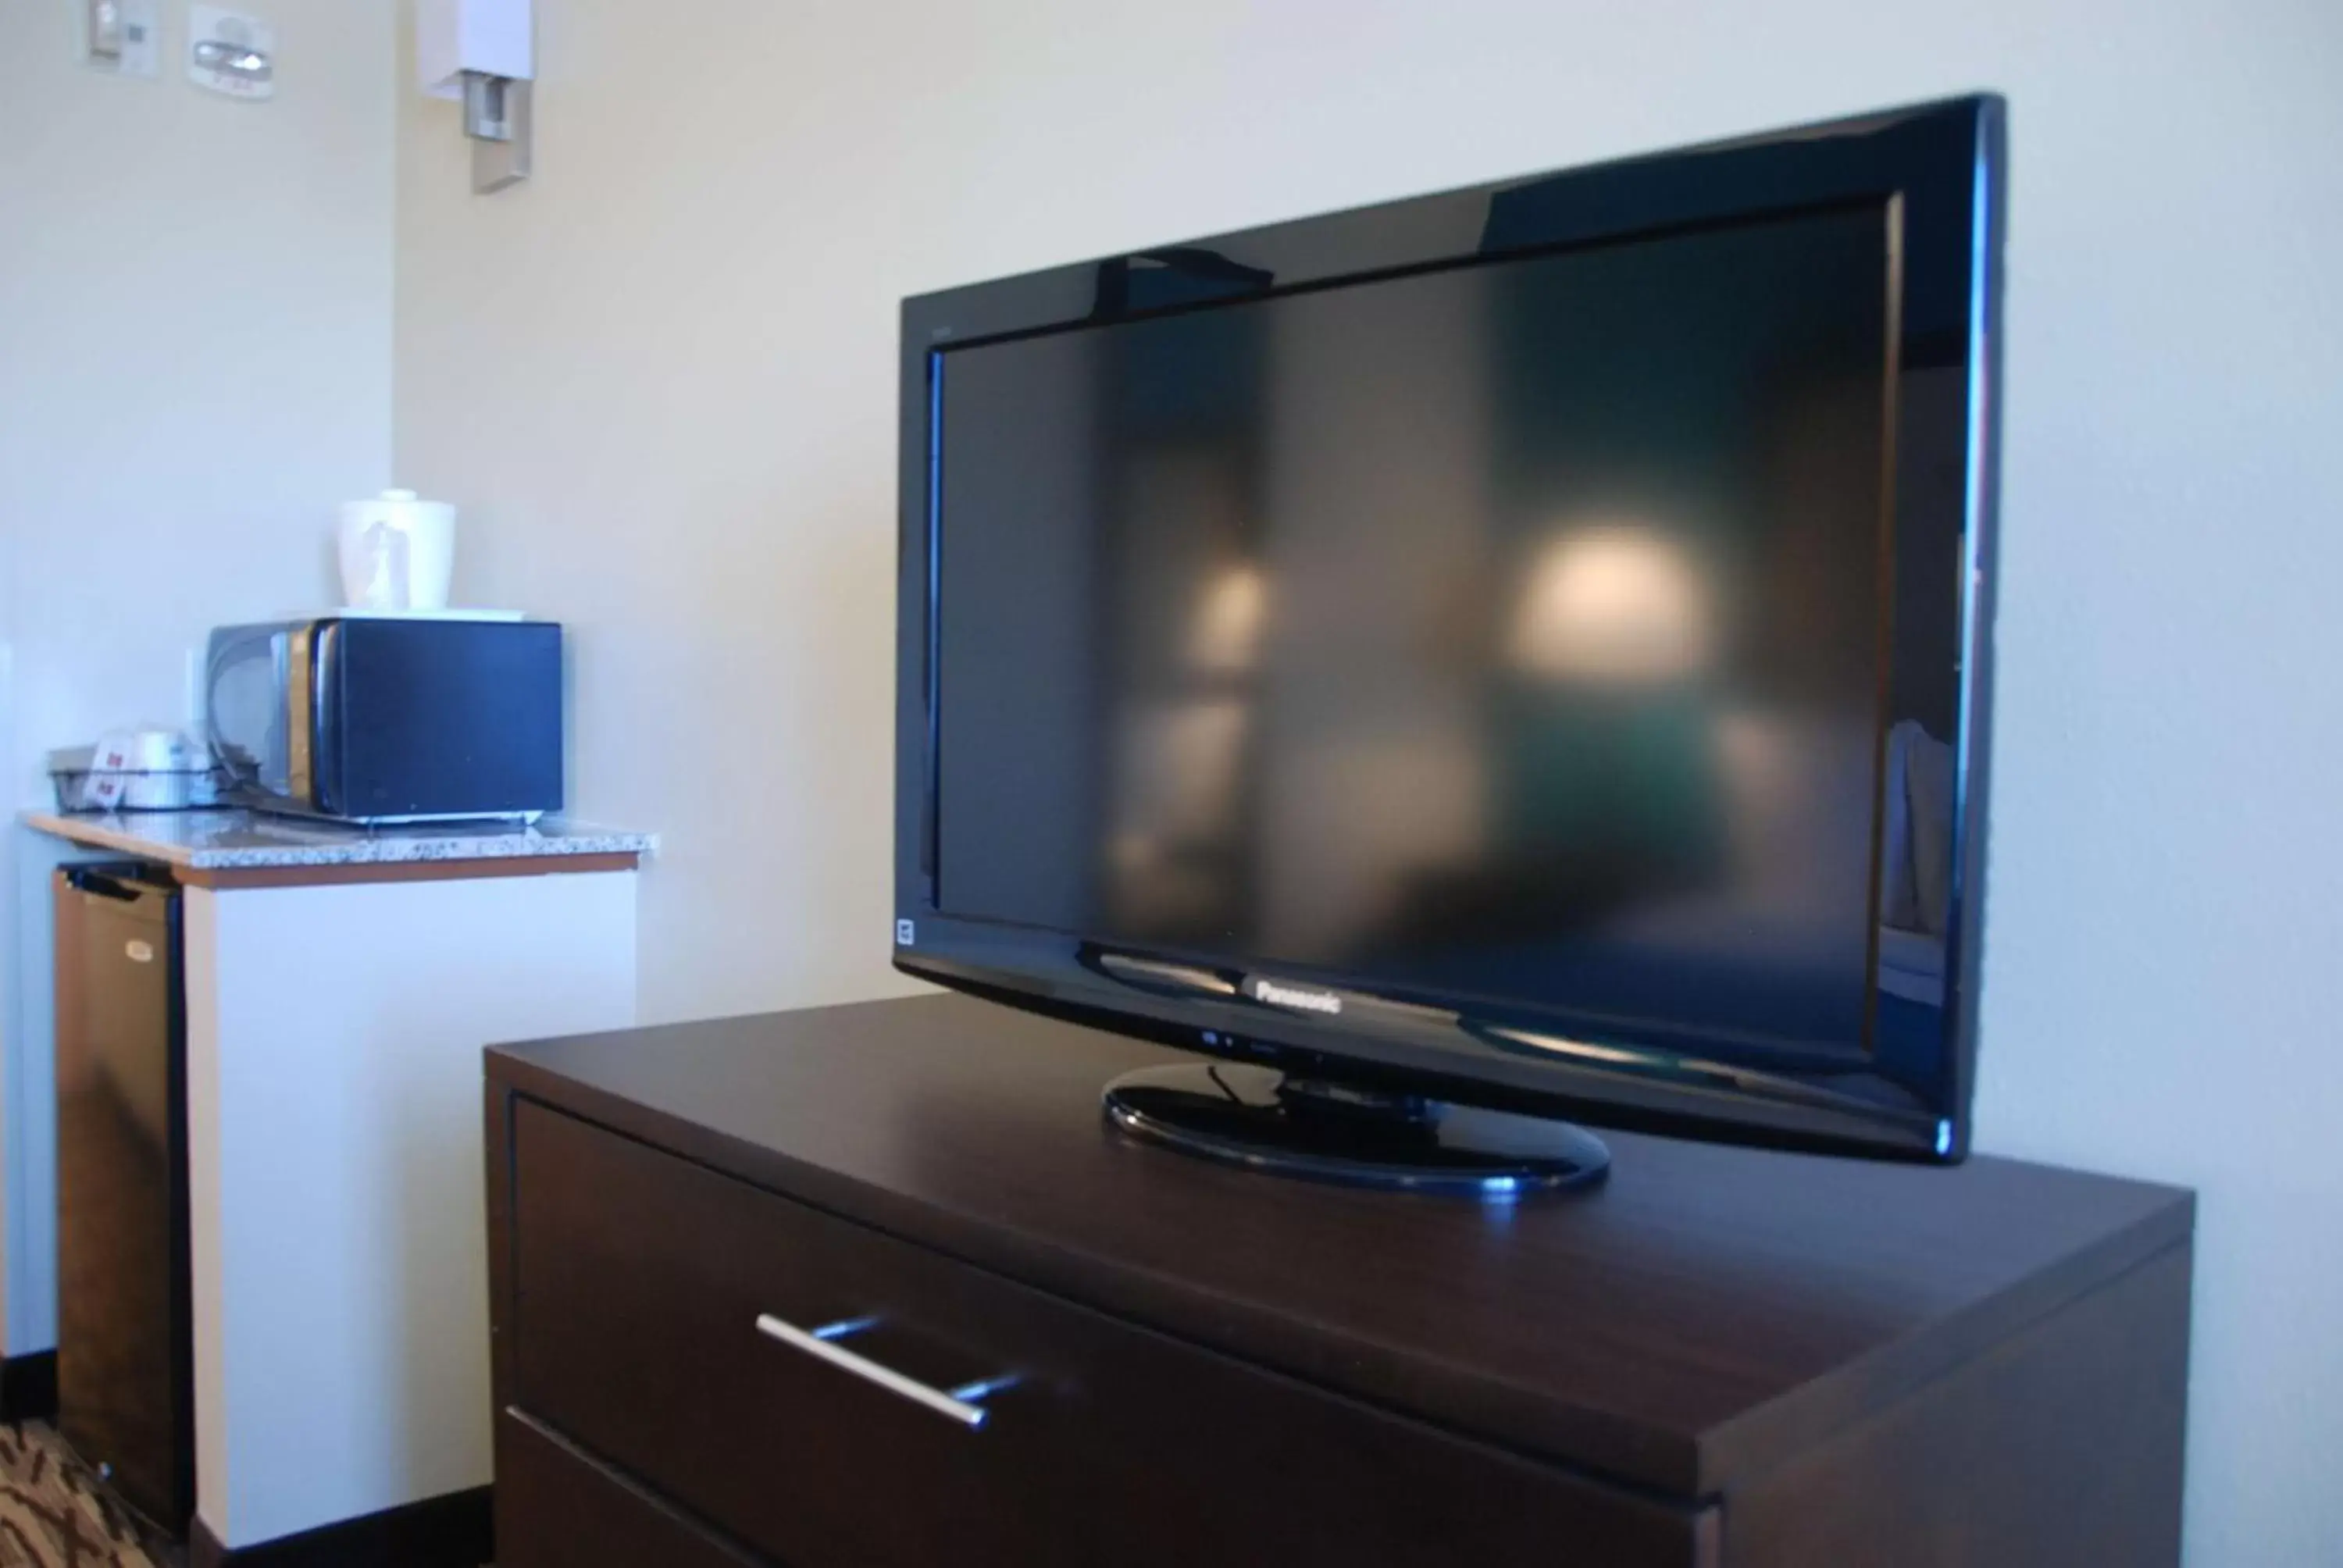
(481, 51)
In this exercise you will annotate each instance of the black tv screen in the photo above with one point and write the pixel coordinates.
(1547, 616)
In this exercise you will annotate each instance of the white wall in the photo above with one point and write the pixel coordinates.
(195, 365)
(661, 378)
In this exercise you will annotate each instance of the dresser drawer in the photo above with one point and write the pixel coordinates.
(641, 1280)
(558, 1507)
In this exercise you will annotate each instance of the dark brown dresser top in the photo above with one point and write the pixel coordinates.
(1706, 1313)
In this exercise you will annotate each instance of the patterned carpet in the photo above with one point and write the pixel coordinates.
(54, 1513)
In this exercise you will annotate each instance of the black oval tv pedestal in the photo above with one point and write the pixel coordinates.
(877, 1285)
(1276, 1124)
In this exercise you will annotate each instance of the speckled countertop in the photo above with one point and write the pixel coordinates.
(225, 840)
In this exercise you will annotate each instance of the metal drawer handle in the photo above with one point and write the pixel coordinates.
(959, 1404)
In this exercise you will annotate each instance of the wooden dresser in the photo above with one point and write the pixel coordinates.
(875, 1285)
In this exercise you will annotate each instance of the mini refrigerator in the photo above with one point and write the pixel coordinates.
(124, 1347)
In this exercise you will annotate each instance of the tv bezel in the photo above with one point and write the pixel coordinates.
(1945, 162)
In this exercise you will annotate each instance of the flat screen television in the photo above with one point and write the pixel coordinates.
(1504, 658)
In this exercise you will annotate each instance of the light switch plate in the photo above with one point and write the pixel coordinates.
(231, 52)
(122, 38)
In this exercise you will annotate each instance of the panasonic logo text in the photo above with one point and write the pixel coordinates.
(1278, 995)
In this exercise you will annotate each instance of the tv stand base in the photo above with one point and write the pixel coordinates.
(1284, 1125)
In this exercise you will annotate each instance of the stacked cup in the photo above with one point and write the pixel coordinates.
(398, 553)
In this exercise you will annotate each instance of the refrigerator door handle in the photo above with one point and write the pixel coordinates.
(89, 882)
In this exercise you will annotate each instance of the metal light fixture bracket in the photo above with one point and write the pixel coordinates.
(498, 118)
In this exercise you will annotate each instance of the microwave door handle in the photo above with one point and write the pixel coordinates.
(299, 693)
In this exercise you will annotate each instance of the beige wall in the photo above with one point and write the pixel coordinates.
(195, 365)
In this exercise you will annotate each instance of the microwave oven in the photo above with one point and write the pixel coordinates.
(390, 719)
